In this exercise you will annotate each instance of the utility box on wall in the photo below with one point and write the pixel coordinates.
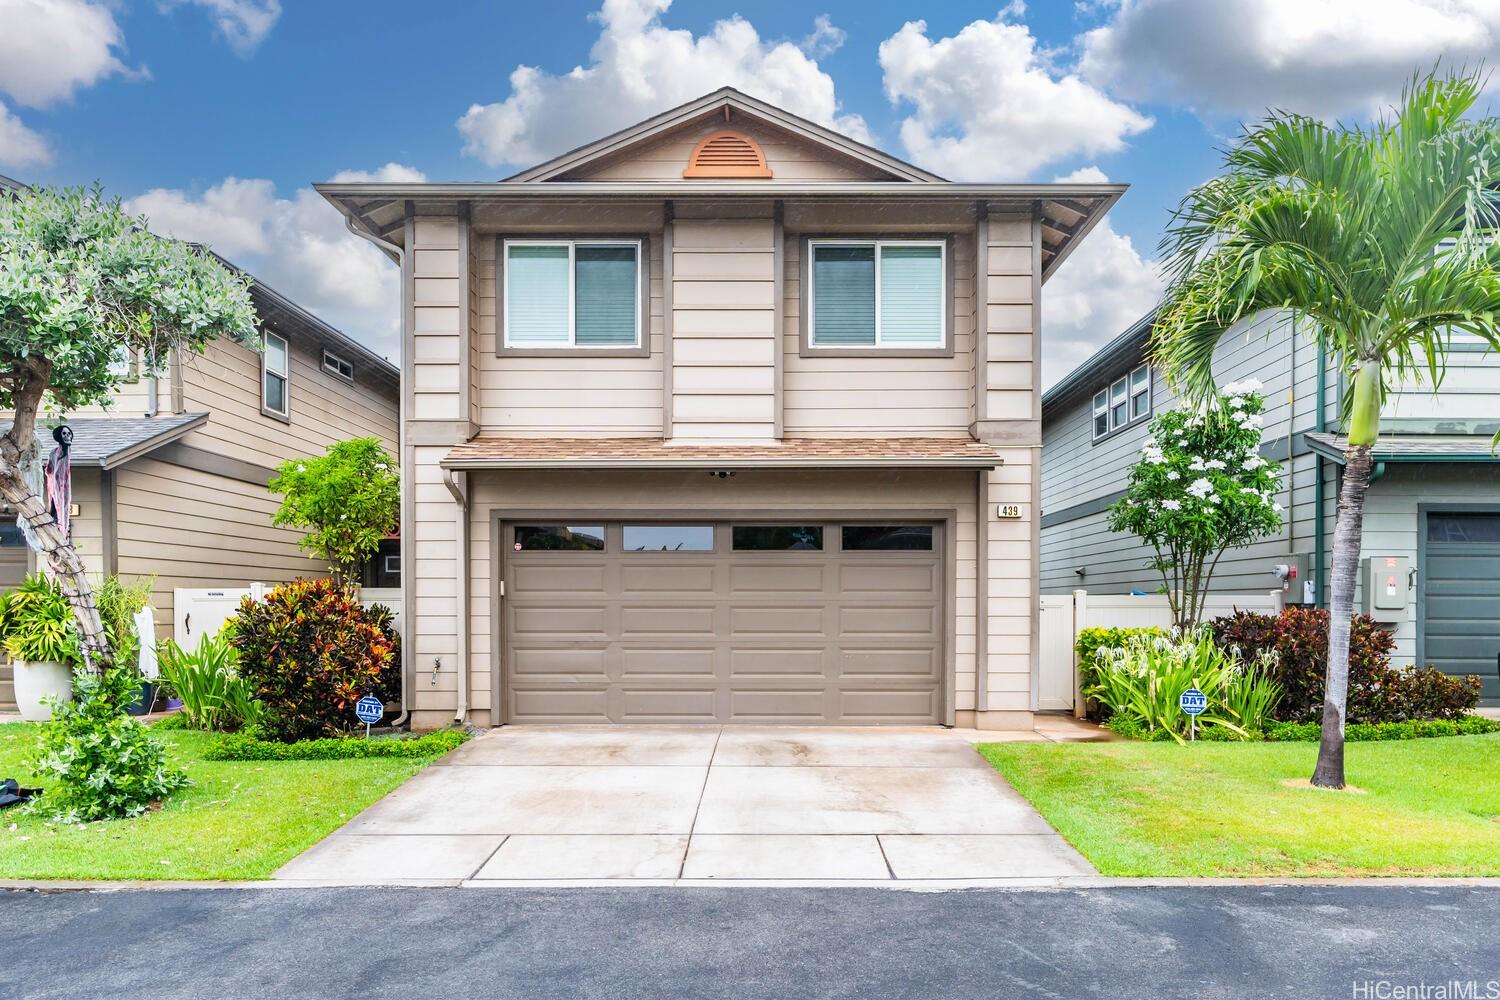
(1296, 579)
(1386, 585)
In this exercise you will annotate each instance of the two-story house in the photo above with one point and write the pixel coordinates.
(169, 480)
(724, 417)
(1432, 517)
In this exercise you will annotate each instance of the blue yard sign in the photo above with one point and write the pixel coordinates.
(1194, 703)
(369, 710)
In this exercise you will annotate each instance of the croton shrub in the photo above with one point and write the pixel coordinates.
(312, 650)
(1378, 692)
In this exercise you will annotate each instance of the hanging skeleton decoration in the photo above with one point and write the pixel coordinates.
(59, 479)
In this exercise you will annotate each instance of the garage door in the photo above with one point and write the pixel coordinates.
(1461, 597)
(794, 622)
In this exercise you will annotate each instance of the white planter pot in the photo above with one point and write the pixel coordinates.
(35, 681)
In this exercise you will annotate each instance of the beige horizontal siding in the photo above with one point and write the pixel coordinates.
(790, 159)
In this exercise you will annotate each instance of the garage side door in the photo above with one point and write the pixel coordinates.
(1461, 597)
(805, 622)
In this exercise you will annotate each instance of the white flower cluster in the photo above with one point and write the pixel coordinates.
(1152, 453)
(1242, 388)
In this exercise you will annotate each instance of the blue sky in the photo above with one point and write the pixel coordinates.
(213, 116)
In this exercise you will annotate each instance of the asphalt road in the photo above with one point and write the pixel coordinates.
(1247, 941)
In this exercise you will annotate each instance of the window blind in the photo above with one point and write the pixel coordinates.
(605, 295)
(536, 295)
(911, 295)
(844, 295)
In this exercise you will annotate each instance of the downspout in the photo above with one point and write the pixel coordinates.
(398, 254)
(461, 498)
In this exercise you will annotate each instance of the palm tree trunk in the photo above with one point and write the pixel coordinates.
(1348, 534)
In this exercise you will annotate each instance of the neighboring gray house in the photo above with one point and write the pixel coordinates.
(1432, 517)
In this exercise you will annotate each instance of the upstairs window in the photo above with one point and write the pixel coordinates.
(1123, 402)
(881, 294)
(572, 294)
(340, 367)
(275, 368)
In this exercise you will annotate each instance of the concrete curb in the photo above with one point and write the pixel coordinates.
(907, 885)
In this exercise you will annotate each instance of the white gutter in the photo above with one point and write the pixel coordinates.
(916, 191)
(396, 253)
(461, 498)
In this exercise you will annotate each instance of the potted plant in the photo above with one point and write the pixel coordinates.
(43, 647)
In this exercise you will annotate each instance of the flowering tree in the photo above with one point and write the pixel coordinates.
(347, 500)
(81, 284)
(1199, 488)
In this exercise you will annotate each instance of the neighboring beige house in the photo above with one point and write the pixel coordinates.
(170, 480)
(722, 418)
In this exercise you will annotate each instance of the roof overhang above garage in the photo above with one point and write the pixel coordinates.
(655, 453)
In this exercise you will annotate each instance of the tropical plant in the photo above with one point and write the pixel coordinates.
(215, 698)
(1144, 679)
(39, 623)
(81, 283)
(1199, 488)
(310, 650)
(1377, 691)
(119, 602)
(346, 500)
(106, 764)
(1379, 238)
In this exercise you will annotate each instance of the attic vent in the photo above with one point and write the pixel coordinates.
(727, 154)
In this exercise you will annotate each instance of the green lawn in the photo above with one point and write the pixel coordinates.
(1430, 807)
(238, 820)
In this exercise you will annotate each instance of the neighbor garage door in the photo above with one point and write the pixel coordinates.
(796, 622)
(1461, 596)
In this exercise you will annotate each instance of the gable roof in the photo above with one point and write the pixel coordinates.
(728, 102)
(109, 442)
(1121, 354)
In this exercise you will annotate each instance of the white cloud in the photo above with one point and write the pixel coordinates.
(639, 68)
(297, 245)
(20, 147)
(51, 48)
(1320, 57)
(244, 24)
(990, 104)
(391, 173)
(1103, 287)
(825, 39)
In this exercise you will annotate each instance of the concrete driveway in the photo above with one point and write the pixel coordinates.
(673, 805)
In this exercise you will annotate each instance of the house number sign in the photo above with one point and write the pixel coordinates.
(1009, 511)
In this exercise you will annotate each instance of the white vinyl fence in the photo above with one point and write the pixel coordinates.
(196, 613)
(1065, 615)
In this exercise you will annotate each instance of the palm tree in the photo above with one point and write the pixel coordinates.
(1382, 239)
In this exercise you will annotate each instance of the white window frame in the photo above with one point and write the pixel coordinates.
(1108, 408)
(339, 363)
(572, 245)
(285, 376)
(879, 345)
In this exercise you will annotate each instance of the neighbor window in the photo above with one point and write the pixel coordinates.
(1126, 400)
(559, 538)
(668, 537)
(877, 293)
(335, 365)
(122, 364)
(274, 369)
(572, 294)
(887, 537)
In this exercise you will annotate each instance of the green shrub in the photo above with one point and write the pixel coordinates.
(119, 602)
(106, 764)
(1144, 678)
(215, 698)
(1091, 640)
(1358, 732)
(39, 623)
(311, 651)
(245, 746)
(1377, 691)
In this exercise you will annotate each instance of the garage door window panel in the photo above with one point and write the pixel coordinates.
(559, 538)
(887, 538)
(668, 537)
(777, 538)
